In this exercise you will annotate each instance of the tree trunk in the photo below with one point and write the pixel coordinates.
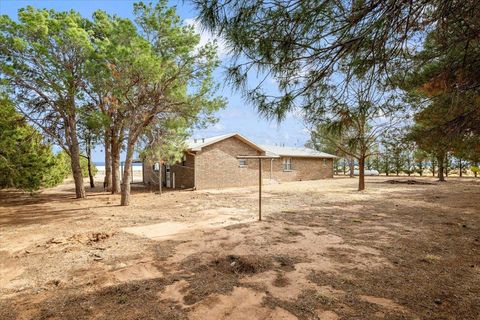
(440, 168)
(460, 164)
(352, 167)
(89, 163)
(446, 165)
(433, 167)
(361, 173)
(74, 149)
(127, 171)
(115, 151)
(344, 167)
(108, 161)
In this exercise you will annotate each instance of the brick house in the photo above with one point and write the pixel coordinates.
(217, 162)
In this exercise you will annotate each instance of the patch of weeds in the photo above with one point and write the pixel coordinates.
(314, 225)
(221, 275)
(303, 307)
(430, 258)
(132, 300)
(293, 233)
(280, 280)
(165, 249)
(6, 311)
(236, 226)
(324, 299)
(286, 263)
(327, 279)
(122, 299)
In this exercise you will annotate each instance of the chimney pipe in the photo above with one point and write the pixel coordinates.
(203, 139)
(194, 140)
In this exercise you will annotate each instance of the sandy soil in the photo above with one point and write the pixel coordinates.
(323, 251)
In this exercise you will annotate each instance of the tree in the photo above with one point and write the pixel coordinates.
(318, 142)
(355, 120)
(26, 162)
(26, 159)
(303, 43)
(420, 156)
(432, 137)
(42, 61)
(165, 144)
(91, 124)
(158, 73)
(394, 146)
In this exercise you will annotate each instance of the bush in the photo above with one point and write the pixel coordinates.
(26, 161)
(475, 169)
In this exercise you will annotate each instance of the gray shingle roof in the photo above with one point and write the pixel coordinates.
(296, 152)
(198, 144)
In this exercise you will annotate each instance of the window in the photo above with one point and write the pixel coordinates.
(184, 161)
(287, 164)
(242, 162)
(324, 163)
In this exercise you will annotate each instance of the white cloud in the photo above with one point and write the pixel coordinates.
(206, 36)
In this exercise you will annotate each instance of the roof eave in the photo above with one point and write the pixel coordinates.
(307, 156)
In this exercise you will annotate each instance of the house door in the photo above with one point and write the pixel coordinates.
(168, 176)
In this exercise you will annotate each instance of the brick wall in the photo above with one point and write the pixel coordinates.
(218, 166)
(302, 169)
(184, 174)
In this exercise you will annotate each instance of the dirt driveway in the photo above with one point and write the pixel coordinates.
(324, 251)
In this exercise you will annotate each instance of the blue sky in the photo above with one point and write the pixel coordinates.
(236, 117)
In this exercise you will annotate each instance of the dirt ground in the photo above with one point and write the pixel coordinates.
(323, 251)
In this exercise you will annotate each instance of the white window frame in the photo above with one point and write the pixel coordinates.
(242, 163)
(287, 164)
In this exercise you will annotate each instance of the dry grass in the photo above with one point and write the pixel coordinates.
(395, 251)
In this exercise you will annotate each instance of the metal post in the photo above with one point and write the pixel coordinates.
(259, 189)
(271, 169)
(160, 168)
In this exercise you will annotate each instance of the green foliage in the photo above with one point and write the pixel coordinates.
(42, 60)
(26, 162)
(303, 44)
(43, 65)
(165, 143)
(23, 156)
(63, 167)
(153, 70)
(475, 169)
